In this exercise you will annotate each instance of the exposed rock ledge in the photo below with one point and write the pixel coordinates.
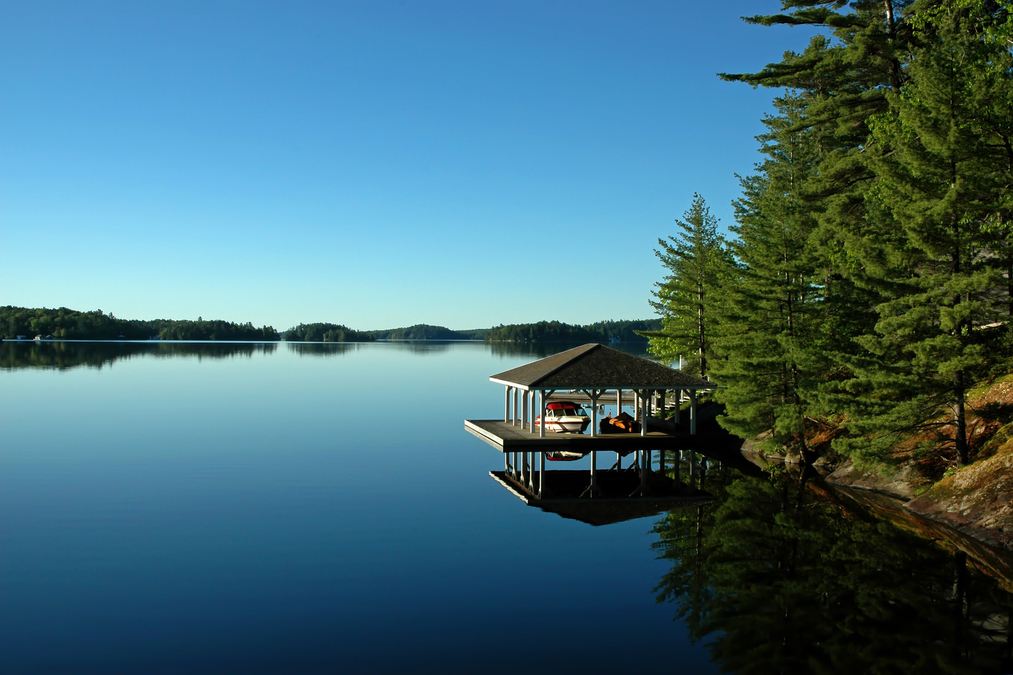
(975, 500)
(903, 484)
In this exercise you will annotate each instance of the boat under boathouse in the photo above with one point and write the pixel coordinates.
(598, 375)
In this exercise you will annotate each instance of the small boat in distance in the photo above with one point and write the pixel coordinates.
(564, 416)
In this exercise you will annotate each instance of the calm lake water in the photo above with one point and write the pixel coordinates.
(282, 508)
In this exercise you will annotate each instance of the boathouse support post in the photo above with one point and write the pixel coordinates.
(594, 395)
(678, 402)
(541, 412)
(541, 474)
(642, 397)
(692, 411)
(544, 395)
(619, 401)
(643, 473)
(524, 409)
(661, 404)
(513, 418)
(506, 405)
(531, 407)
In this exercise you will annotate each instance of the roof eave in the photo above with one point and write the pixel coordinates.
(529, 387)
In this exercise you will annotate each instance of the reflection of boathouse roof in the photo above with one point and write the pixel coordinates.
(599, 513)
(599, 367)
(612, 504)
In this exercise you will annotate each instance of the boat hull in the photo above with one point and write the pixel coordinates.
(571, 425)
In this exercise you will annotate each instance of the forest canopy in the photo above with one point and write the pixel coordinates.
(865, 287)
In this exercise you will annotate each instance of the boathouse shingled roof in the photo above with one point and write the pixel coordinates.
(595, 366)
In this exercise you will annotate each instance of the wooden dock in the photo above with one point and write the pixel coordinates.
(507, 437)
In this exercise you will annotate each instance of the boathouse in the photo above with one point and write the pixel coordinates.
(595, 374)
(598, 374)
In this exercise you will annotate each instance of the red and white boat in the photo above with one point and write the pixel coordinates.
(564, 416)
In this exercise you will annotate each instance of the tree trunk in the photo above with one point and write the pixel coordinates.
(891, 31)
(959, 421)
(959, 385)
(1009, 282)
(700, 329)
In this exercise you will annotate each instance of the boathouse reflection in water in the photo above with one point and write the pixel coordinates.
(614, 495)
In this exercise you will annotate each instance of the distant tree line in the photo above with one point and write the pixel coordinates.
(326, 332)
(215, 330)
(423, 331)
(554, 331)
(69, 324)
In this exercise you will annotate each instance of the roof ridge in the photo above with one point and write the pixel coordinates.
(591, 346)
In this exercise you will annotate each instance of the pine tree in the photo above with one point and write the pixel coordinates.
(911, 107)
(772, 315)
(935, 183)
(846, 78)
(694, 258)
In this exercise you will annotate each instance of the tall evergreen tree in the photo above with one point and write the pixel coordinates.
(770, 338)
(695, 259)
(937, 185)
(846, 77)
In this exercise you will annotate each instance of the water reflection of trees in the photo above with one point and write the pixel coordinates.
(420, 347)
(66, 355)
(322, 349)
(781, 577)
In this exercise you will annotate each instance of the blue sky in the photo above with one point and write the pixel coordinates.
(377, 164)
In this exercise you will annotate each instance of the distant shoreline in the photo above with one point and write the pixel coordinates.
(66, 325)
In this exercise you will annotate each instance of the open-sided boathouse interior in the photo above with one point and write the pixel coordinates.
(594, 374)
